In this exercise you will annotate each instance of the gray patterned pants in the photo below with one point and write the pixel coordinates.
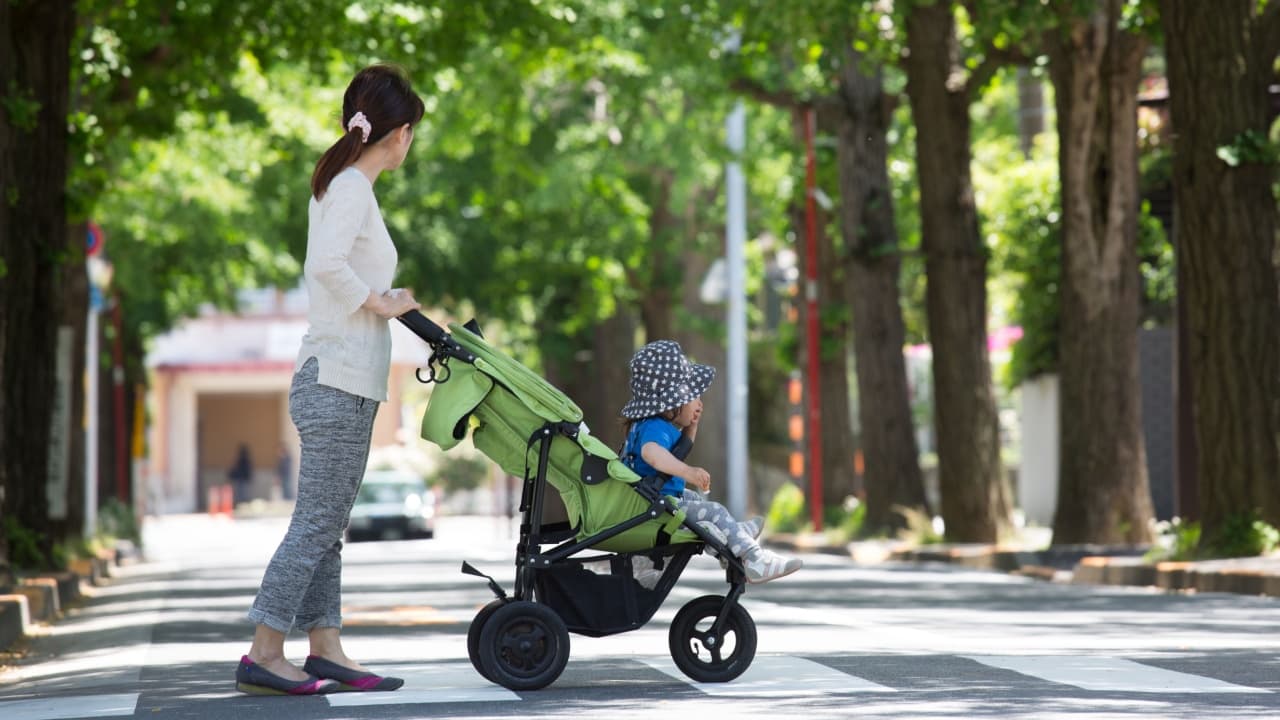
(303, 582)
(701, 510)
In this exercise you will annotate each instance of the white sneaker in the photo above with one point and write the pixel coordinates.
(753, 527)
(767, 565)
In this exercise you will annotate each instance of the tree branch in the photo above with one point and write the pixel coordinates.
(757, 91)
(785, 99)
(993, 60)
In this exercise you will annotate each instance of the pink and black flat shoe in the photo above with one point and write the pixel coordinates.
(349, 680)
(253, 679)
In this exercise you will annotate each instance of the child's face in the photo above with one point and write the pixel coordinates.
(689, 413)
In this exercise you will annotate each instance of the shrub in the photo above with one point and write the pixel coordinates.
(845, 521)
(1177, 539)
(116, 520)
(24, 546)
(1243, 535)
(786, 512)
(919, 529)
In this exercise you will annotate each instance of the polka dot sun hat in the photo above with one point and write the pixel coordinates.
(662, 378)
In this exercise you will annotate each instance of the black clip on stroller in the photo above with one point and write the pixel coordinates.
(641, 539)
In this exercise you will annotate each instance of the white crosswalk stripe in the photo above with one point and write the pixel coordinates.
(77, 706)
(434, 683)
(1109, 674)
(777, 676)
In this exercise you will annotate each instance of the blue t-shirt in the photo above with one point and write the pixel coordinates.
(656, 430)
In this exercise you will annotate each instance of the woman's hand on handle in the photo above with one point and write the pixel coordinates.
(392, 303)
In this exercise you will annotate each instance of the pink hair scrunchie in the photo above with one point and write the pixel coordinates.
(360, 121)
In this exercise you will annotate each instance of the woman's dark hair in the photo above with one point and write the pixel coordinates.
(384, 95)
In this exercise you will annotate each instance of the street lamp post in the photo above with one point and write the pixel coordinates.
(736, 319)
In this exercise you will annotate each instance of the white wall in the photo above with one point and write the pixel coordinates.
(1038, 475)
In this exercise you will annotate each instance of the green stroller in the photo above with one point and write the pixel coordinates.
(596, 557)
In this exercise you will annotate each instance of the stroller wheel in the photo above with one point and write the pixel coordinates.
(473, 634)
(706, 657)
(523, 646)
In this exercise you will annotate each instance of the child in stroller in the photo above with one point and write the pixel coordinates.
(663, 414)
(599, 519)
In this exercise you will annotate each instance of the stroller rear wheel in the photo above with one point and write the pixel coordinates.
(712, 658)
(523, 646)
(473, 634)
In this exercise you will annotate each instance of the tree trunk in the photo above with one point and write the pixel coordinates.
(891, 458)
(1220, 60)
(974, 489)
(1103, 496)
(35, 56)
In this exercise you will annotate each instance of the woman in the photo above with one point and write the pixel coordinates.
(339, 379)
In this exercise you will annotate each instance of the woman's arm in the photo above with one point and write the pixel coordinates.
(329, 244)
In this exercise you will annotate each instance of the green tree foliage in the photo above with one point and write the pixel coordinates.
(139, 73)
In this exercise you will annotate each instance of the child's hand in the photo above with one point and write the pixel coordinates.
(699, 478)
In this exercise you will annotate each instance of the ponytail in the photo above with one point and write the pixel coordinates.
(336, 159)
(378, 100)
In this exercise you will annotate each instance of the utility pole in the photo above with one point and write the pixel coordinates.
(736, 320)
(812, 339)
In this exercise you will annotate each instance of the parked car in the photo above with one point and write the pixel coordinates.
(392, 505)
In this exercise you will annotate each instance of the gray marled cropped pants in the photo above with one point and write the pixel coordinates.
(303, 582)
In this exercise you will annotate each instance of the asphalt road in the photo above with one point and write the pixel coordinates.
(835, 640)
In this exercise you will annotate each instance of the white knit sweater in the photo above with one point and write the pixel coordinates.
(349, 253)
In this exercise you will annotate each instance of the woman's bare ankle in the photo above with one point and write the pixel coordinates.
(279, 665)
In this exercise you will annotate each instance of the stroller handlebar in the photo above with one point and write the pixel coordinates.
(423, 327)
(435, 336)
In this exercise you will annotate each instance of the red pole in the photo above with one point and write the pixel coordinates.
(811, 323)
(117, 379)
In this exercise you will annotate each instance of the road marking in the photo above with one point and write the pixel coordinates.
(430, 683)
(777, 675)
(76, 706)
(1110, 674)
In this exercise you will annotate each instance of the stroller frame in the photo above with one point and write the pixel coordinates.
(521, 641)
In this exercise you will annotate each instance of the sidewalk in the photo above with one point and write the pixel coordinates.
(1084, 564)
(29, 600)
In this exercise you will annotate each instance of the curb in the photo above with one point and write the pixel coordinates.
(1075, 564)
(28, 600)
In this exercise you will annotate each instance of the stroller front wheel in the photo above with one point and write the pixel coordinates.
(708, 657)
(523, 646)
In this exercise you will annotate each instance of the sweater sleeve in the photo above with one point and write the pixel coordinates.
(343, 211)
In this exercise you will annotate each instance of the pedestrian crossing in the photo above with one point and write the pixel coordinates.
(770, 676)
(1108, 674)
(84, 706)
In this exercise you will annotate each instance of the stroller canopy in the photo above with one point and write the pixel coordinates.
(508, 406)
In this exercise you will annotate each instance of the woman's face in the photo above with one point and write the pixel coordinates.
(689, 413)
(401, 139)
